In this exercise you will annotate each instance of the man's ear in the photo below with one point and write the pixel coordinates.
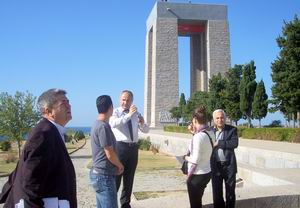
(47, 111)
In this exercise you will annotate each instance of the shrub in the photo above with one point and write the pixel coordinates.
(179, 129)
(240, 130)
(274, 134)
(5, 145)
(144, 144)
(275, 123)
(10, 157)
(68, 137)
(297, 137)
(79, 135)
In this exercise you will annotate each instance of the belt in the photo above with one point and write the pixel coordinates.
(223, 163)
(129, 144)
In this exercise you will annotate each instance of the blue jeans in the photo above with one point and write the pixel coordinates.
(106, 190)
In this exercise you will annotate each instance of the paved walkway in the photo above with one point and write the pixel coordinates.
(169, 185)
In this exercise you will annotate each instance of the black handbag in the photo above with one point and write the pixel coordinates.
(184, 167)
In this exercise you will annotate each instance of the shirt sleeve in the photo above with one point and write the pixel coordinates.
(104, 137)
(117, 120)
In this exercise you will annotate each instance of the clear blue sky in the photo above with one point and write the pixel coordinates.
(94, 47)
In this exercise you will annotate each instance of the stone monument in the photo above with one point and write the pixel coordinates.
(207, 27)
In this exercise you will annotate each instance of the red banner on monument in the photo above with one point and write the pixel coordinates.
(190, 29)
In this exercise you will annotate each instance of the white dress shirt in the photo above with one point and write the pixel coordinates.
(60, 129)
(119, 124)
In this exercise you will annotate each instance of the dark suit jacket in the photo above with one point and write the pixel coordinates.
(228, 144)
(44, 170)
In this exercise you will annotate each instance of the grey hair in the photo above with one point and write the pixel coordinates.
(48, 98)
(128, 92)
(219, 111)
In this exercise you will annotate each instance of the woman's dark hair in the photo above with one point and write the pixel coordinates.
(103, 103)
(200, 115)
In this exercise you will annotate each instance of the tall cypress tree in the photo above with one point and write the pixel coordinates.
(286, 70)
(232, 94)
(216, 92)
(182, 103)
(247, 90)
(260, 102)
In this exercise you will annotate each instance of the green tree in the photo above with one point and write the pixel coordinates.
(232, 94)
(286, 71)
(197, 99)
(247, 90)
(176, 113)
(18, 115)
(216, 92)
(182, 103)
(260, 102)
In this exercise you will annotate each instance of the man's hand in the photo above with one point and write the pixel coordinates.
(141, 120)
(216, 144)
(191, 128)
(120, 169)
(132, 110)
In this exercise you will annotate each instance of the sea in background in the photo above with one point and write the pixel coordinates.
(85, 130)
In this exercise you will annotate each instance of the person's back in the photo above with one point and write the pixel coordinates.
(106, 164)
(204, 150)
(200, 149)
(98, 141)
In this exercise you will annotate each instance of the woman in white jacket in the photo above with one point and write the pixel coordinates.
(200, 150)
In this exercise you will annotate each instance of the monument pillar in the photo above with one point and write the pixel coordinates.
(207, 27)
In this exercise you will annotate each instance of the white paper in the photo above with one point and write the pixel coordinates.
(20, 204)
(179, 159)
(50, 202)
(63, 204)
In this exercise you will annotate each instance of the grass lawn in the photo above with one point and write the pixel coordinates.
(149, 161)
(6, 168)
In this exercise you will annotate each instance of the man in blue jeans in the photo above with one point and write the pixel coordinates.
(106, 164)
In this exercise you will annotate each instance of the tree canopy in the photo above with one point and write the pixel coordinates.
(18, 114)
(260, 102)
(232, 94)
(286, 70)
(247, 90)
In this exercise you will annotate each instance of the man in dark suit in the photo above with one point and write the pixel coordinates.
(45, 173)
(223, 161)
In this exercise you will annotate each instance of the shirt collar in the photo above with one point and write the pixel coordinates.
(59, 127)
(202, 127)
(216, 129)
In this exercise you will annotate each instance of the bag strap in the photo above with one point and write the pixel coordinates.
(212, 145)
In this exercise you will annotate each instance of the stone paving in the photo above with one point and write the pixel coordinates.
(168, 181)
(170, 188)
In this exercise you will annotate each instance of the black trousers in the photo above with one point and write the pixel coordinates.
(223, 173)
(196, 185)
(128, 155)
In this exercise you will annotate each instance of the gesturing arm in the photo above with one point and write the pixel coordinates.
(231, 141)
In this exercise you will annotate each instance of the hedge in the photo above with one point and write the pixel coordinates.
(274, 134)
(179, 129)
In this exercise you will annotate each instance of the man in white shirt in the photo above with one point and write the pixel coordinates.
(125, 123)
